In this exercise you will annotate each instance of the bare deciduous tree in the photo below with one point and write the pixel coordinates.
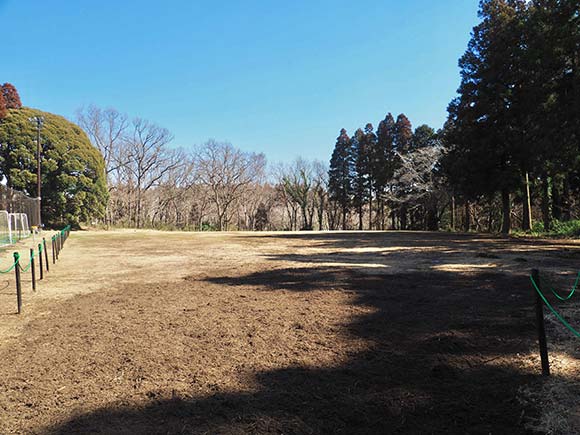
(149, 159)
(228, 173)
(107, 129)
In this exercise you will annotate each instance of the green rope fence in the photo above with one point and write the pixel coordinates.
(58, 241)
(10, 269)
(27, 268)
(558, 316)
(565, 298)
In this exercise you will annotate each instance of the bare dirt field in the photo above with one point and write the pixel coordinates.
(269, 333)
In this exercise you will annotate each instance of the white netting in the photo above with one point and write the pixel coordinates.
(19, 226)
(5, 234)
(17, 213)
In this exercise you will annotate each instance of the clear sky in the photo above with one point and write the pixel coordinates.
(269, 76)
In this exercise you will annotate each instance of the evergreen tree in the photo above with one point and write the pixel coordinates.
(340, 175)
(360, 176)
(11, 96)
(403, 134)
(424, 136)
(74, 187)
(483, 117)
(370, 146)
(403, 140)
(384, 166)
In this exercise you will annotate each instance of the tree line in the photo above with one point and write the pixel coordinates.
(388, 178)
(513, 132)
(507, 157)
(509, 152)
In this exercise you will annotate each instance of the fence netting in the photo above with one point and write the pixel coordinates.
(18, 213)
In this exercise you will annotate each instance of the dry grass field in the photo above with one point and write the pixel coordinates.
(279, 333)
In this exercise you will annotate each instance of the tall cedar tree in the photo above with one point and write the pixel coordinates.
(553, 32)
(484, 158)
(403, 134)
(403, 140)
(340, 175)
(360, 176)
(370, 149)
(11, 96)
(384, 168)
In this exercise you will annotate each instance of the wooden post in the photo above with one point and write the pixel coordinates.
(32, 271)
(45, 254)
(53, 251)
(18, 287)
(40, 267)
(540, 323)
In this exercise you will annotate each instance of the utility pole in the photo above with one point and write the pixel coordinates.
(38, 120)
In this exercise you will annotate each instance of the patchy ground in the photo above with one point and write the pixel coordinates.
(294, 333)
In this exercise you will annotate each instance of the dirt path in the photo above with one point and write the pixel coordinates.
(151, 332)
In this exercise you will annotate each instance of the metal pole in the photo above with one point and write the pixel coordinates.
(541, 328)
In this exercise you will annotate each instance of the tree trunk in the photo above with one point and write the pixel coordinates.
(527, 205)
(556, 201)
(566, 212)
(360, 217)
(546, 202)
(506, 211)
(453, 213)
(370, 213)
(467, 221)
(382, 215)
(432, 219)
(403, 217)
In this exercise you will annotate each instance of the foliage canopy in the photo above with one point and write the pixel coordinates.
(73, 172)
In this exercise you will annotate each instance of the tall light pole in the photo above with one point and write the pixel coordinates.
(38, 120)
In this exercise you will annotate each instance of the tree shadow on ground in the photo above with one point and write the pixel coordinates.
(442, 358)
(459, 242)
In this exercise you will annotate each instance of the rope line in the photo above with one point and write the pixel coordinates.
(565, 298)
(10, 269)
(25, 269)
(566, 324)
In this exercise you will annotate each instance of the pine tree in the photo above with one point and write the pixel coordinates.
(11, 96)
(340, 175)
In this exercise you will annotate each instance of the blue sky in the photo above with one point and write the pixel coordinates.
(269, 76)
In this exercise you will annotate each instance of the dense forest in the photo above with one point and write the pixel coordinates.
(507, 158)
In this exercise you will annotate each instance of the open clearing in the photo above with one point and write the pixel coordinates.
(157, 332)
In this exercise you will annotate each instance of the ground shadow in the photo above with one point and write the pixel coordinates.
(442, 359)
